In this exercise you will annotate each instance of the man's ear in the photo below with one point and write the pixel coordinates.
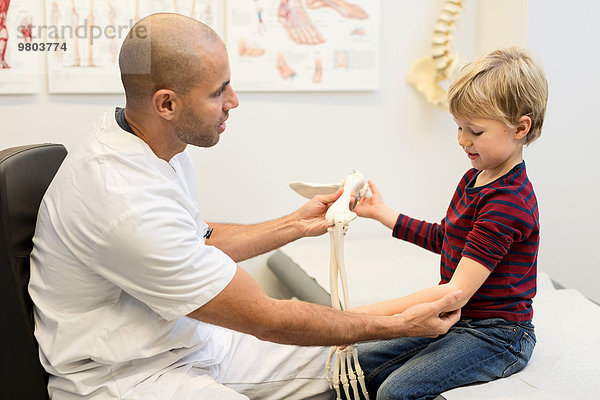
(166, 103)
(523, 127)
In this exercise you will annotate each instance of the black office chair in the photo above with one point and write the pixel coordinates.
(25, 173)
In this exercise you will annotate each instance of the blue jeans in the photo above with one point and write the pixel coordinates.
(422, 368)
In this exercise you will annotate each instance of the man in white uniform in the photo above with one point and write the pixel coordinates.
(135, 296)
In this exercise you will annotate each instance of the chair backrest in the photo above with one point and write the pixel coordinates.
(25, 173)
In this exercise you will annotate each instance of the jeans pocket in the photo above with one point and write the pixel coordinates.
(522, 354)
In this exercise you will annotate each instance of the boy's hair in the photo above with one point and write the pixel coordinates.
(503, 85)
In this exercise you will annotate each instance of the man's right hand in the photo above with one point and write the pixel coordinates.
(431, 319)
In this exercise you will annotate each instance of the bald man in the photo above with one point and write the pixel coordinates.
(135, 296)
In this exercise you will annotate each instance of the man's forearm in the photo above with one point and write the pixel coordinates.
(241, 242)
(306, 324)
(309, 324)
(244, 306)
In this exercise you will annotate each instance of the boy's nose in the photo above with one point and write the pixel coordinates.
(463, 140)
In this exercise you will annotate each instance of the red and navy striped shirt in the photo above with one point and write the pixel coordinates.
(496, 225)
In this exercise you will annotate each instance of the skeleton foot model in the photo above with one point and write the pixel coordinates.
(427, 72)
(345, 373)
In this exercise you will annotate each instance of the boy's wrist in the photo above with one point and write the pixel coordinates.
(387, 216)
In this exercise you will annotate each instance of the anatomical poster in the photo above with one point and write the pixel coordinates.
(303, 45)
(92, 31)
(21, 59)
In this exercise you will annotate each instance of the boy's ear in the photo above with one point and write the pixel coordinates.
(523, 127)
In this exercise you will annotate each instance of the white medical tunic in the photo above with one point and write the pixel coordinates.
(119, 259)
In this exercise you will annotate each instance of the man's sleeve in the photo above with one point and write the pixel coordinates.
(159, 257)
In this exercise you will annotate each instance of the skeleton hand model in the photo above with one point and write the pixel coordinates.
(346, 370)
(427, 72)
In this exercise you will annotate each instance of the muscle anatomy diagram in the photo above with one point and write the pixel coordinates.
(4, 4)
(21, 59)
(92, 32)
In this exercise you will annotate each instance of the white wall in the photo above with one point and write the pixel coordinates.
(564, 164)
(391, 136)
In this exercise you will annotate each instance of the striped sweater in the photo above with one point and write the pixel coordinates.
(496, 225)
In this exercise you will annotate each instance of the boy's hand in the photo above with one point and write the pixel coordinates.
(370, 207)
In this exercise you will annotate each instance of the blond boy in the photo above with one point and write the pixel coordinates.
(488, 241)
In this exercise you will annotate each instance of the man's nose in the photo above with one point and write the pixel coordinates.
(232, 101)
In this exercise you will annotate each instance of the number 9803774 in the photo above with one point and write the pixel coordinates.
(42, 46)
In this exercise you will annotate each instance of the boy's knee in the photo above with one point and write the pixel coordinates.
(397, 389)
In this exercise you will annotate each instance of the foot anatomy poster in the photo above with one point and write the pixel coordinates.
(303, 45)
(20, 66)
(91, 33)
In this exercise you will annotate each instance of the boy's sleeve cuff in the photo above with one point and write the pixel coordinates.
(398, 226)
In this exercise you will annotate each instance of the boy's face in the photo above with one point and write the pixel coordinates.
(490, 144)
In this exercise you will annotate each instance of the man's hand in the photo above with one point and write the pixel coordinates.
(241, 242)
(311, 216)
(432, 319)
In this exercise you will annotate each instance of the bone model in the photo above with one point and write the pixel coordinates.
(427, 72)
(346, 370)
